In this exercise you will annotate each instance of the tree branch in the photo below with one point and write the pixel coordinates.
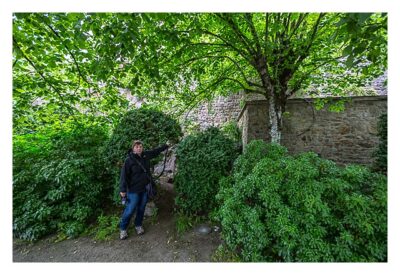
(41, 75)
(304, 54)
(206, 44)
(223, 57)
(231, 23)
(80, 75)
(243, 54)
(69, 51)
(287, 20)
(266, 34)
(298, 23)
(215, 83)
(306, 74)
(249, 20)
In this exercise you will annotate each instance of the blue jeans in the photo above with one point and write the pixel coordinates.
(134, 201)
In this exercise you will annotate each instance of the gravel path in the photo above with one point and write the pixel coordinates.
(160, 243)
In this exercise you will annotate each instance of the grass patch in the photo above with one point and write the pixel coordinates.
(223, 254)
(185, 222)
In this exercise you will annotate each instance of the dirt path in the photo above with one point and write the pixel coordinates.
(160, 243)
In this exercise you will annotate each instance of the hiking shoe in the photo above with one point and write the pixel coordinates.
(123, 235)
(139, 230)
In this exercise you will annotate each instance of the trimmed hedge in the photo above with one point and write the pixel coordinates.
(277, 207)
(202, 160)
(151, 126)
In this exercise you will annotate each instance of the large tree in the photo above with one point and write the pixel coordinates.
(178, 60)
(271, 54)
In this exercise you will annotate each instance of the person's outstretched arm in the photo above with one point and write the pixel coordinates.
(155, 152)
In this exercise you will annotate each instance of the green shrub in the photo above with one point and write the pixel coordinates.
(153, 127)
(107, 227)
(380, 155)
(59, 179)
(277, 207)
(184, 222)
(202, 159)
(232, 131)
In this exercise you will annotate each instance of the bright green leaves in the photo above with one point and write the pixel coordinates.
(302, 208)
(366, 34)
(61, 61)
(60, 178)
(77, 62)
(45, 68)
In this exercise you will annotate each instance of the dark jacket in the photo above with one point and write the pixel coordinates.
(133, 178)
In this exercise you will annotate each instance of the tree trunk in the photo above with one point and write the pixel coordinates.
(275, 109)
(275, 120)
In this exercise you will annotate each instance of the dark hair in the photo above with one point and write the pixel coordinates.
(136, 142)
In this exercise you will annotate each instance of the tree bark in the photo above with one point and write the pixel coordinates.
(275, 105)
(275, 120)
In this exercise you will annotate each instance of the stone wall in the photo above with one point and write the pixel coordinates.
(217, 112)
(344, 137)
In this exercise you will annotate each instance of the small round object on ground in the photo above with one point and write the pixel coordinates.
(203, 229)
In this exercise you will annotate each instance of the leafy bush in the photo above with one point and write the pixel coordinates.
(202, 159)
(380, 155)
(277, 207)
(184, 222)
(106, 228)
(153, 127)
(59, 179)
(232, 131)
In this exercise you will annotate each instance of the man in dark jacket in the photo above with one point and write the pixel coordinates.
(134, 176)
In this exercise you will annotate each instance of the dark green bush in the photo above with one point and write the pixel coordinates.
(277, 207)
(59, 179)
(380, 155)
(202, 159)
(153, 127)
(232, 131)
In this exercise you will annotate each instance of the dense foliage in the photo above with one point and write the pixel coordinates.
(66, 63)
(58, 70)
(202, 159)
(277, 207)
(59, 179)
(106, 227)
(380, 155)
(152, 127)
(232, 131)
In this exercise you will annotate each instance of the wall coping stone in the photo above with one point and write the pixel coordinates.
(310, 99)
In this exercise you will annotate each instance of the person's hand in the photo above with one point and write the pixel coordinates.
(123, 194)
